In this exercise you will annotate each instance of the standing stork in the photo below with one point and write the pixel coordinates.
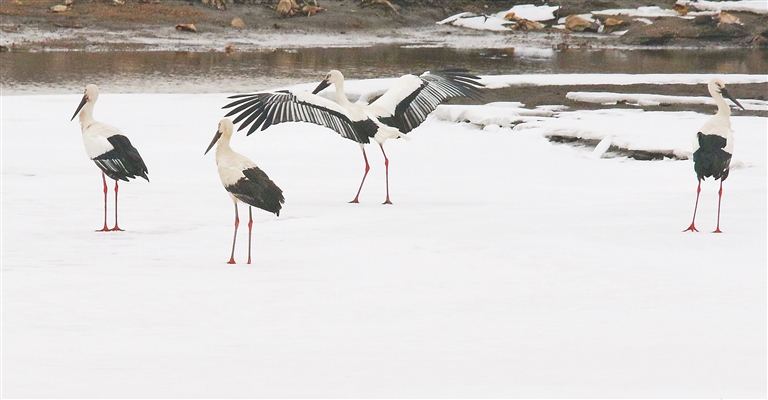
(399, 110)
(713, 147)
(244, 181)
(109, 149)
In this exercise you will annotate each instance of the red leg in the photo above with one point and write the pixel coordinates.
(116, 228)
(104, 180)
(692, 228)
(250, 226)
(386, 172)
(367, 167)
(719, 199)
(234, 238)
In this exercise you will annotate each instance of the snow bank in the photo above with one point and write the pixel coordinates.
(656, 99)
(646, 12)
(615, 79)
(531, 12)
(754, 6)
(496, 22)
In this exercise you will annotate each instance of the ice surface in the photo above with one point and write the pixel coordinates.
(508, 266)
(656, 99)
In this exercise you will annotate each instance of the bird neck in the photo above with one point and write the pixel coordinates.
(340, 97)
(86, 115)
(222, 146)
(722, 107)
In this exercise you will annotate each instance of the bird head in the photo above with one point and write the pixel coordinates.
(90, 96)
(225, 129)
(717, 88)
(332, 77)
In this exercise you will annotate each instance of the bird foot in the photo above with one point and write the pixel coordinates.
(355, 201)
(117, 228)
(717, 231)
(691, 228)
(387, 202)
(104, 229)
(231, 261)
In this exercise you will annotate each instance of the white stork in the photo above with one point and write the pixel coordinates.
(244, 181)
(109, 149)
(713, 147)
(398, 111)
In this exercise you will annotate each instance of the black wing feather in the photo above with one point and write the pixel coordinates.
(123, 162)
(711, 159)
(271, 108)
(257, 190)
(437, 87)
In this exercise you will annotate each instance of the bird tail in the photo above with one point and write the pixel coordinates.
(387, 132)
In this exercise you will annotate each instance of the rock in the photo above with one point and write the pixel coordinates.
(578, 24)
(611, 24)
(17, 3)
(287, 7)
(237, 23)
(682, 9)
(186, 28)
(59, 8)
(522, 24)
(118, 2)
(726, 18)
(311, 10)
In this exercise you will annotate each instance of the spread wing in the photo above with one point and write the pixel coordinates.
(407, 104)
(261, 110)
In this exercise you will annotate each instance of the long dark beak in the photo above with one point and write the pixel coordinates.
(82, 103)
(728, 95)
(324, 84)
(215, 139)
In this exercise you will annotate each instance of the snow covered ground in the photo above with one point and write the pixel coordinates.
(497, 22)
(508, 266)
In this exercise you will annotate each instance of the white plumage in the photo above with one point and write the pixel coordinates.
(398, 111)
(713, 147)
(112, 151)
(244, 181)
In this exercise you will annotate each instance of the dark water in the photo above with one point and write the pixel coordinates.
(197, 72)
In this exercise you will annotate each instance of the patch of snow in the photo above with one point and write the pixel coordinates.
(644, 20)
(531, 12)
(657, 99)
(482, 22)
(754, 6)
(647, 11)
(499, 81)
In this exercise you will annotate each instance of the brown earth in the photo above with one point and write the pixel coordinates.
(346, 16)
(534, 96)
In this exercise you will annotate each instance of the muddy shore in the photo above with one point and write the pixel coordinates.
(99, 25)
(142, 24)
